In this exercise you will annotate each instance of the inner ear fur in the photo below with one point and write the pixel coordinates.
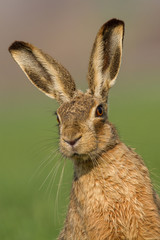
(44, 71)
(105, 58)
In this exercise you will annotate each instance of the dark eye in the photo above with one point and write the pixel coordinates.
(57, 118)
(99, 111)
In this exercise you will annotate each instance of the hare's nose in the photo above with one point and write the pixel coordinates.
(72, 142)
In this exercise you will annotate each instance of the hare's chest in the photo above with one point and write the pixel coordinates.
(104, 211)
(100, 194)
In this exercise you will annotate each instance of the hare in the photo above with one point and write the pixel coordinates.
(112, 197)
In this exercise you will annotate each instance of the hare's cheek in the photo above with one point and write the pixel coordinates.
(88, 143)
(103, 133)
(99, 126)
(104, 136)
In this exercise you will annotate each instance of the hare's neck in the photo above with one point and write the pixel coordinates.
(95, 167)
(116, 173)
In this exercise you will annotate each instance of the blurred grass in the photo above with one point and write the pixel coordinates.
(29, 135)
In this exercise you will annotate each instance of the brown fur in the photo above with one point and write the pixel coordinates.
(105, 56)
(112, 197)
(44, 71)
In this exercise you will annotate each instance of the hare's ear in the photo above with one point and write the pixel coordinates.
(106, 58)
(43, 71)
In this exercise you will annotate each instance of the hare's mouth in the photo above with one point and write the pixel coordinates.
(77, 156)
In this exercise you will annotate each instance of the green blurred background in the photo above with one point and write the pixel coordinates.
(30, 175)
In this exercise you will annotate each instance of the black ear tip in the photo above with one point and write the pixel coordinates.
(114, 23)
(17, 45)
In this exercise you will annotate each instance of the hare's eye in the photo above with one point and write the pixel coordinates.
(99, 111)
(58, 120)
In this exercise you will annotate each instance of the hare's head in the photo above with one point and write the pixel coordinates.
(84, 128)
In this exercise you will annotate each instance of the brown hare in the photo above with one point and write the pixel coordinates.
(112, 197)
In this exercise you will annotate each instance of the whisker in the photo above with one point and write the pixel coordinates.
(50, 159)
(59, 184)
(47, 176)
(50, 185)
(42, 163)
